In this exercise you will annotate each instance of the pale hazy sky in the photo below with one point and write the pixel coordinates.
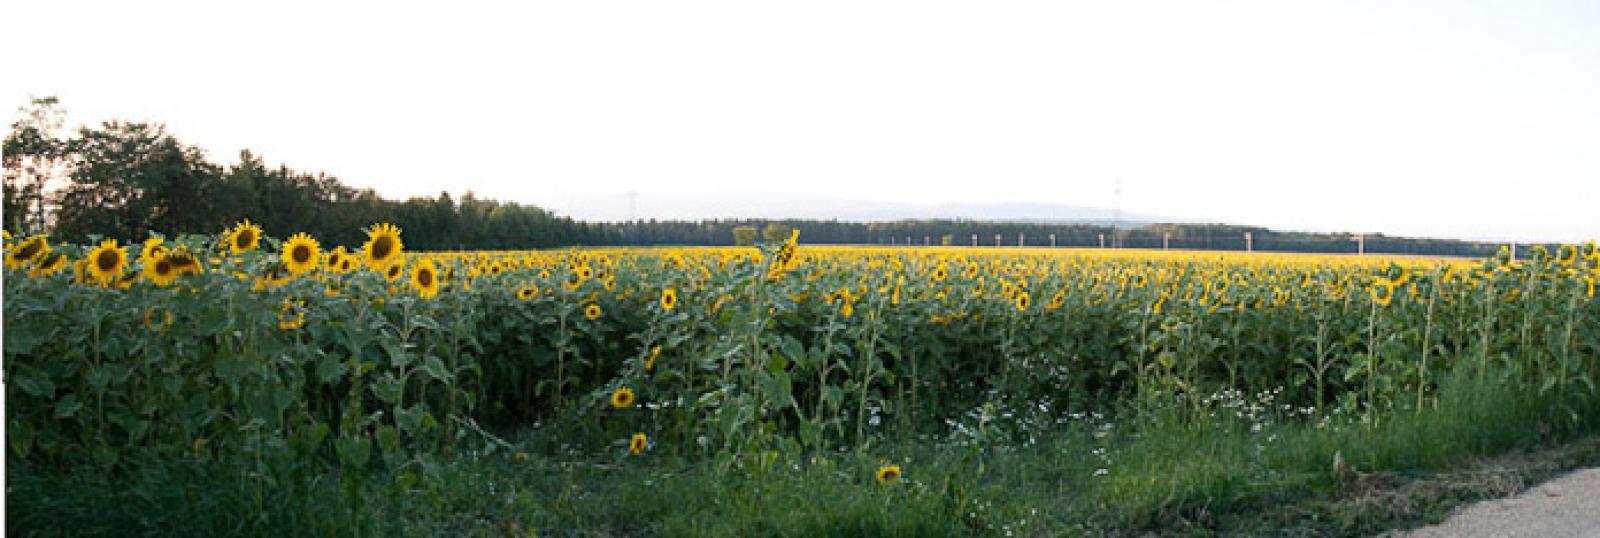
(1450, 118)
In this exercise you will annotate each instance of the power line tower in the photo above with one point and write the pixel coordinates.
(1116, 216)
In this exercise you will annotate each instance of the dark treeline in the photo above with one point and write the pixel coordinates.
(126, 180)
(982, 233)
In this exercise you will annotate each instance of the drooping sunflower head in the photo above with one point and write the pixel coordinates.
(669, 299)
(183, 261)
(1567, 254)
(107, 261)
(292, 316)
(157, 319)
(637, 444)
(425, 278)
(1382, 291)
(888, 474)
(301, 254)
(25, 252)
(152, 249)
(244, 237)
(383, 246)
(48, 264)
(622, 398)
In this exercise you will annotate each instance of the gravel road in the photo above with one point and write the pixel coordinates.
(1565, 507)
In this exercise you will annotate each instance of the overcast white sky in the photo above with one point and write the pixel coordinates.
(1449, 118)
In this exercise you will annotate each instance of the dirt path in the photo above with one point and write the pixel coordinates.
(1568, 506)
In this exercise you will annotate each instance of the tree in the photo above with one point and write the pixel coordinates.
(775, 232)
(131, 179)
(35, 158)
(744, 235)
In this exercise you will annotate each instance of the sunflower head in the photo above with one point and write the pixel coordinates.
(107, 261)
(1382, 292)
(622, 398)
(383, 246)
(888, 474)
(48, 264)
(333, 260)
(637, 444)
(292, 316)
(1022, 301)
(592, 312)
(160, 271)
(528, 292)
(244, 237)
(393, 272)
(301, 254)
(425, 278)
(25, 252)
(669, 299)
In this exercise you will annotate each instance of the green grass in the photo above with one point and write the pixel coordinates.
(1175, 470)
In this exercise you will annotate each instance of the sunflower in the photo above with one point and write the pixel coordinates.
(1382, 291)
(650, 362)
(889, 474)
(637, 444)
(331, 260)
(592, 312)
(848, 309)
(528, 292)
(160, 271)
(48, 264)
(24, 253)
(152, 250)
(393, 272)
(157, 320)
(425, 278)
(183, 261)
(1567, 254)
(1057, 300)
(292, 316)
(301, 254)
(275, 275)
(383, 246)
(669, 299)
(622, 398)
(1022, 301)
(244, 237)
(107, 261)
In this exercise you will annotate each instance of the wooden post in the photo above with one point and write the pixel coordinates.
(1052, 240)
(1249, 243)
(1361, 244)
(1166, 240)
(1513, 251)
(1022, 239)
(1102, 240)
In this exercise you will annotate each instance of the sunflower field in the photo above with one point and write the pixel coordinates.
(290, 358)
